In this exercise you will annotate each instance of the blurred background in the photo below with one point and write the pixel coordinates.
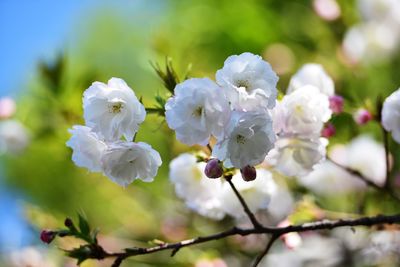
(52, 51)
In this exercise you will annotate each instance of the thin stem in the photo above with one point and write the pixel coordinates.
(265, 251)
(246, 208)
(209, 148)
(357, 174)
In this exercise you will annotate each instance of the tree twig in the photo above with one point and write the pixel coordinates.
(359, 175)
(259, 258)
(246, 208)
(275, 233)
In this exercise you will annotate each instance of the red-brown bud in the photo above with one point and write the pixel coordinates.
(213, 169)
(47, 236)
(249, 173)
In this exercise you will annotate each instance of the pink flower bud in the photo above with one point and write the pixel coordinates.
(336, 103)
(327, 9)
(328, 131)
(362, 116)
(291, 240)
(47, 236)
(249, 173)
(213, 169)
(7, 107)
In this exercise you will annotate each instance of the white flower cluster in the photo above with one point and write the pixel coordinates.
(391, 115)
(311, 252)
(376, 248)
(377, 36)
(112, 111)
(235, 110)
(213, 198)
(29, 256)
(298, 120)
(362, 154)
(250, 126)
(14, 136)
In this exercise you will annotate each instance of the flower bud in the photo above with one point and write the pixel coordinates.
(249, 173)
(328, 131)
(291, 240)
(68, 223)
(336, 103)
(47, 236)
(213, 169)
(362, 116)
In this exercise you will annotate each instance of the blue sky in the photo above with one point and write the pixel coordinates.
(30, 30)
(37, 29)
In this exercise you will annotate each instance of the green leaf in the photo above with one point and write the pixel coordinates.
(94, 235)
(168, 76)
(52, 73)
(81, 254)
(83, 225)
(160, 101)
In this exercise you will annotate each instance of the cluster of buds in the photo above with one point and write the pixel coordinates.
(214, 169)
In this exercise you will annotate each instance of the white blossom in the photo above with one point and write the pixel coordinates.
(281, 204)
(248, 138)
(256, 193)
(380, 10)
(200, 193)
(29, 257)
(248, 81)
(312, 252)
(381, 249)
(14, 137)
(302, 113)
(198, 110)
(112, 109)
(312, 74)
(391, 115)
(123, 162)
(370, 42)
(295, 156)
(87, 148)
(329, 179)
(353, 240)
(362, 154)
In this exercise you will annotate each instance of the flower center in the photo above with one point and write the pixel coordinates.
(299, 109)
(243, 83)
(240, 139)
(115, 108)
(198, 111)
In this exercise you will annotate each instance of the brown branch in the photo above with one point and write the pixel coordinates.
(275, 233)
(259, 258)
(246, 208)
(385, 189)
